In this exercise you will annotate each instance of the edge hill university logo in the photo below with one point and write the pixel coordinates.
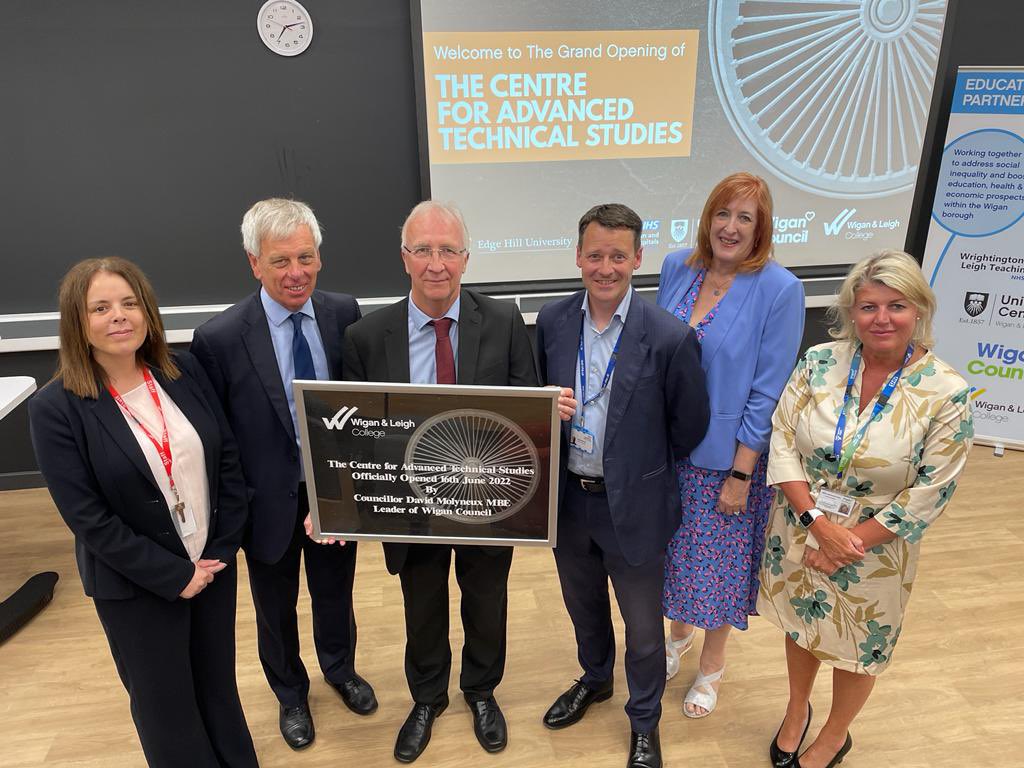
(340, 419)
(975, 303)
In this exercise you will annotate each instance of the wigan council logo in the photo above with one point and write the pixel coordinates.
(680, 228)
(975, 303)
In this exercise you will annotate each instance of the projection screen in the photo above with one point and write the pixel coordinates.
(532, 112)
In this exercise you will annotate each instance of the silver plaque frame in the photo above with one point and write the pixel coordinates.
(445, 422)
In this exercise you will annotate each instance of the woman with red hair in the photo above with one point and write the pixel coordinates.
(748, 314)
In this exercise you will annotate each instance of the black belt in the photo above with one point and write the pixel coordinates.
(588, 484)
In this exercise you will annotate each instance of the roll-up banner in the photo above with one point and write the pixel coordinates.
(974, 257)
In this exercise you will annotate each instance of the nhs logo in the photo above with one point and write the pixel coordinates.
(651, 234)
(340, 419)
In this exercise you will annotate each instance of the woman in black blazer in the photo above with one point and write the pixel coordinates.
(142, 466)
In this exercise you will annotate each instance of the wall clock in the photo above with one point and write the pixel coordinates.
(285, 27)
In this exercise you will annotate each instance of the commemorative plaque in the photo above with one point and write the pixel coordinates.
(430, 463)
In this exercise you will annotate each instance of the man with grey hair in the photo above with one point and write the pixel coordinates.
(445, 334)
(252, 351)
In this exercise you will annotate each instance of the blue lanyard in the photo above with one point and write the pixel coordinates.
(844, 456)
(607, 374)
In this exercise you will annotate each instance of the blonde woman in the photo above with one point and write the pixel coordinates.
(876, 423)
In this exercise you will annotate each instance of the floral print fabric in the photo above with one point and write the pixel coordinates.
(712, 562)
(903, 475)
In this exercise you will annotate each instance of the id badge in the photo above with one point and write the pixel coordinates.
(836, 503)
(188, 527)
(581, 438)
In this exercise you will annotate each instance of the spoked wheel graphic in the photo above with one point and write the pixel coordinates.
(832, 95)
(501, 464)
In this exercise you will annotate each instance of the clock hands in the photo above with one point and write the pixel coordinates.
(285, 28)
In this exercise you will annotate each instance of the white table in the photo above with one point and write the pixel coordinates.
(13, 391)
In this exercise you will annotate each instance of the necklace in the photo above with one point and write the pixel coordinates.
(718, 290)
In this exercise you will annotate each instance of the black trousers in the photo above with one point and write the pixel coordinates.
(588, 555)
(482, 574)
(177, 662)
(330, 571)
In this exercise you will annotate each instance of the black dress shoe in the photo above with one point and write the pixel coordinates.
(414, 735)
(782, 759)
(357, 695)
(847, 745)
(572, 705)
(297, 726)
(489, 724)
(644, 750)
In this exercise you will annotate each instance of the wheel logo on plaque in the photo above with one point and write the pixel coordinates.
(496, 465)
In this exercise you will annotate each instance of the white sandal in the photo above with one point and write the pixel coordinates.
(702, 694)
(674, 650)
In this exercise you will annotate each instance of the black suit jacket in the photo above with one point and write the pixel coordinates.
(658, 412)
(237, 352)
(494, 350)
(125, 539)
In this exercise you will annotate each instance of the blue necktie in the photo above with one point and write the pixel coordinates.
(301, 356)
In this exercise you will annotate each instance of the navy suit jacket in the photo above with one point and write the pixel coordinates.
(657, 413)
(494, 350)
(125, 539)
(237, 352)
(748, 353)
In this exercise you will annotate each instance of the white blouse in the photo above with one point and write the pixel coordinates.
(188, 458)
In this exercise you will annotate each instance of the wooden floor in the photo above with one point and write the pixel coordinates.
(954, 695)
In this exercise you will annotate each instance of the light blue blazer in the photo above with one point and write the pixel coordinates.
(748, 353)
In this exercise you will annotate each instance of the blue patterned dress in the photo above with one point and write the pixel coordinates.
(711, 567)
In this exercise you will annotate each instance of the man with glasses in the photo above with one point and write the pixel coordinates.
(640, 404)
(445, 334)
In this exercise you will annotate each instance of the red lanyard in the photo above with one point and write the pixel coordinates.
(163, 447)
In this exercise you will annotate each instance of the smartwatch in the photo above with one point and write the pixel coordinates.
(745, 476)
(808, 517)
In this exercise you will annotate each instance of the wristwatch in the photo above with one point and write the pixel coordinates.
(808, 517)
(745, 476)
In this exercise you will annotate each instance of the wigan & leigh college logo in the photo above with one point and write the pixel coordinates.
(975, 303)
(340, 419)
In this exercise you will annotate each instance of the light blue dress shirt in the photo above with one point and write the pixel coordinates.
(597, 346)
(422, 340)
(281, 332)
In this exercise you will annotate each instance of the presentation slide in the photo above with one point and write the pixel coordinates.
(535, 112)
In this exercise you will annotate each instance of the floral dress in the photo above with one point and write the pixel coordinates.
(903, 474)
(712, 562)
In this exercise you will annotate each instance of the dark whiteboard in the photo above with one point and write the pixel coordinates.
(147, 129)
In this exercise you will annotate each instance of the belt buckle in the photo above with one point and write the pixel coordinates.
(591, 486)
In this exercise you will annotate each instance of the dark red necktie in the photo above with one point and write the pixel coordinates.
(444, 359)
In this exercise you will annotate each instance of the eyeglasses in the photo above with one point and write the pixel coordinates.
(444, 253)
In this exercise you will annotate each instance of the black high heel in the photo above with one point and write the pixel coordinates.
(782, 759)
(838, 756)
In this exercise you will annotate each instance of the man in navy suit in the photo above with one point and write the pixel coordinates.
(640, 404)
(252, 351)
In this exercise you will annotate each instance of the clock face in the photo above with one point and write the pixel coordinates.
(285, 27)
